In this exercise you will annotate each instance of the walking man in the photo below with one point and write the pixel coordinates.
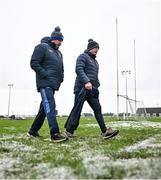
(86, 89)
(47, 62)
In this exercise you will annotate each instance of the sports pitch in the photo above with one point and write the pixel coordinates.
(134, 154)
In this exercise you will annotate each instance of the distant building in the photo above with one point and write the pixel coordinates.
(108, 114)
(149, 112)
(87, 115)
(2, 116)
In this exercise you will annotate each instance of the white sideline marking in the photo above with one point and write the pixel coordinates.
(14, 145)
(99, 165)
(7, 163)
(126, 124)
(45, 170)
(10, 128)
(15, 136)
(148, 144)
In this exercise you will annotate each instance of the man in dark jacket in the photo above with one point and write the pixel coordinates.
(47, 62)
(86, 89)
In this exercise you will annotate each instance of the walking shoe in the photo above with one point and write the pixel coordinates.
(35, 135)
(69, 135)
(109, 133)
(57, 137)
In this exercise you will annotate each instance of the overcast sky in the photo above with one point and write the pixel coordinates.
(23, 23)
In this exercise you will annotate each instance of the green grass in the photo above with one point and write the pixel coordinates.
(154, 119)
(86, 156)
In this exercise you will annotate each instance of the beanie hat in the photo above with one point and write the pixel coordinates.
(92, 44)
(56, 34)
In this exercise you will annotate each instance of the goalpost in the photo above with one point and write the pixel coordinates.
(139, 113)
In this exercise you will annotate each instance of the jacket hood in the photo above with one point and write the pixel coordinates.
(45, 39)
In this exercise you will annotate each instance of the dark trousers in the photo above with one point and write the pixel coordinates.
(93, 101)
(47, 109)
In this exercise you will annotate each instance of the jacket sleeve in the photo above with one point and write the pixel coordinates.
(62, 73)
(36, 59)
(62, 67)
(80, 70)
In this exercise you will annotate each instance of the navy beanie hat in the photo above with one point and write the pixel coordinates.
(56, 34)
(92, 44)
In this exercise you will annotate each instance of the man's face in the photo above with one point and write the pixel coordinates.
(94, 51)
(57, 43)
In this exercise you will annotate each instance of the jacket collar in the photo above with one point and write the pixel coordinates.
(90, 54)
(47, 40)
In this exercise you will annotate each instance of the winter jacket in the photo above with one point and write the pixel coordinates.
(47, 62)
(87, 71)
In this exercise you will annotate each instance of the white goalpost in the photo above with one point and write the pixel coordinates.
(136, 109)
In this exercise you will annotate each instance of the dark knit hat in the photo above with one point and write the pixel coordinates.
(56, 34)
(92, 44)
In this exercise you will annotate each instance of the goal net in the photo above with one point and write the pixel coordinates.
(135, 110)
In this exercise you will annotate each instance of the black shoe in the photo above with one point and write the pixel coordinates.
(69, 135)
(35, 135)
(57, 137)
(109, 133)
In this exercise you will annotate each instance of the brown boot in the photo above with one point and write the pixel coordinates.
(109, 133)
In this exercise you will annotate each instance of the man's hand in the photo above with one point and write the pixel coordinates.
(88, 86)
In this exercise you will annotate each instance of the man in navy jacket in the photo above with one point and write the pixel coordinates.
(47, 62)
(86, 89)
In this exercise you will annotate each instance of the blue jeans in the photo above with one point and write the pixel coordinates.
(47, 109)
